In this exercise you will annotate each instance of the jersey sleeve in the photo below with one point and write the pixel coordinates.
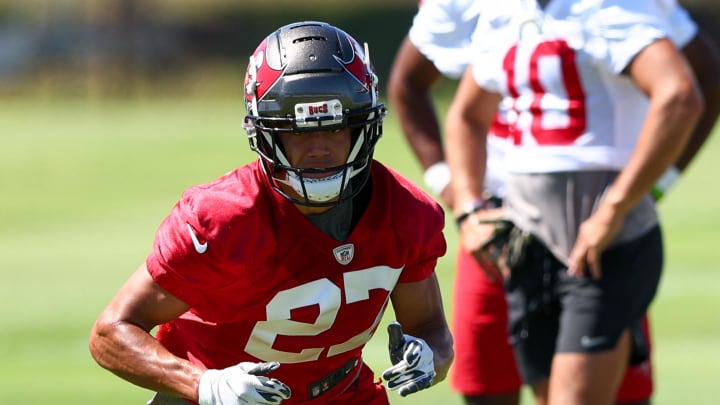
(426, 252)
(418, 222)
(197, 247)
(681, 26)
(620, 29)
(184, 259)
(487, 67)
(442, 30)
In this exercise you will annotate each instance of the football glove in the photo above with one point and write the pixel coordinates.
(243, 383)
(413, 368)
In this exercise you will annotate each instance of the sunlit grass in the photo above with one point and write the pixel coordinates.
(84, 186)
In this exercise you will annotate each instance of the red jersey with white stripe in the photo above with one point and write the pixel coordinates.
(571, 107)
(265, 284)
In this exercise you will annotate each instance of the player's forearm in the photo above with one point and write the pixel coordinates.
(437, 335)
(443, 354)
(418, 307)
(468, 121)
(467, 168)
(671, 118)
(416, 112)
(704, 58)
(411, 78)
(134, 355)
(421, 128)
(466, 156)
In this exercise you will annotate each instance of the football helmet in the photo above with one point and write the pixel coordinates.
(307, 77)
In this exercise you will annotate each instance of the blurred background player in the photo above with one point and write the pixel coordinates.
(268, 282)
(584, 151)
(438, 43)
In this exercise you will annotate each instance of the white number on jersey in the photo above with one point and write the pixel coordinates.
(328, 297)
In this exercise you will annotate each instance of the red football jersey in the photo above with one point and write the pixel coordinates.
(265, 284)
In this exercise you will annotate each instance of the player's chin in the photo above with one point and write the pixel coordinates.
(324, 174)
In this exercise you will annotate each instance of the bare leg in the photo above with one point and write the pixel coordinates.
(588, 378)
(540, 391)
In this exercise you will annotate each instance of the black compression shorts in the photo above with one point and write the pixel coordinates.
(552, 312)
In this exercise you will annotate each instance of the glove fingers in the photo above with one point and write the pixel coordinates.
(415, 386)
(257, 389)
(394, 371)
(405, 378)
(422, 379)
(396, 342)
(263, 368)
(410, 360)
(413, 353)
(272, 391)
(274, 387)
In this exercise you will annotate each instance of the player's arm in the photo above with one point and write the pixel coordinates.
(409, 91)
(704, 58)
(661, 72)
(121, 342)
(468, 121)
(418, 308)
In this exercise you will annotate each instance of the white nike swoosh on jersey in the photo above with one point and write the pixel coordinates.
(199, 247)
(590, 342)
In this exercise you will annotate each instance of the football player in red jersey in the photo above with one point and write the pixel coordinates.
(267, 282)
(601, 105)
(439, 43)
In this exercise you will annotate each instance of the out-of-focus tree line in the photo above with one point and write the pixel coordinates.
(128, 48)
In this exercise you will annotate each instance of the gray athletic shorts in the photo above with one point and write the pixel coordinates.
(551, 311)
(552, 206)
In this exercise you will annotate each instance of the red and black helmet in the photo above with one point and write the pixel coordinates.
(311, 76)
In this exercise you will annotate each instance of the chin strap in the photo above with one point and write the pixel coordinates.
(318, 189)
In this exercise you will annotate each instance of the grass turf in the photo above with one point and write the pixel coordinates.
(84, 185)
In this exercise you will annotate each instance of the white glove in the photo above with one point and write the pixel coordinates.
(242, 383)
(413, 368)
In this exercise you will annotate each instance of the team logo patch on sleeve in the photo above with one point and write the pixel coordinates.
(344, 254)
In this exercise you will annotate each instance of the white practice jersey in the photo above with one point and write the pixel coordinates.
(571, 108)
(444, 31)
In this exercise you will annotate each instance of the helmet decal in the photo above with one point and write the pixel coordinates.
(355, 65)
(260, 75)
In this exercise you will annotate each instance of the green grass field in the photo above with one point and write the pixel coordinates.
(83, 187)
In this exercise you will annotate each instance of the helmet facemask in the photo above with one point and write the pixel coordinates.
(343, 181)
(310, 77)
